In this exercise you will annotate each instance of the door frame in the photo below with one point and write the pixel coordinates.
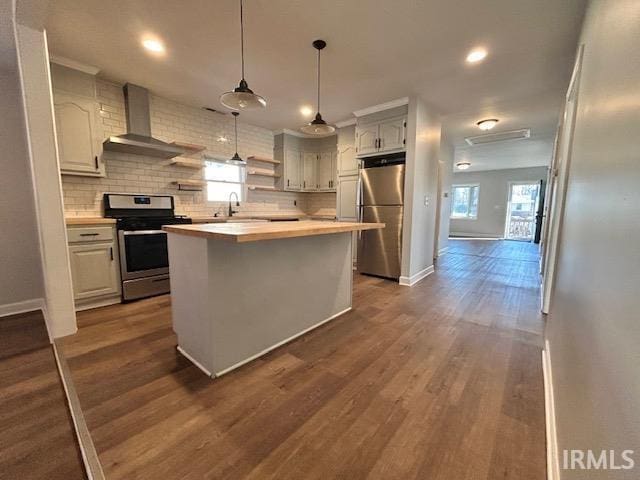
(507, 215)
(557, 186)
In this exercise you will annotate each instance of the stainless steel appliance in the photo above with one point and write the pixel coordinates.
(382, 200)
(144, 260)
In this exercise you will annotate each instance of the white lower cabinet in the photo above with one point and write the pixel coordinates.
(95, 271)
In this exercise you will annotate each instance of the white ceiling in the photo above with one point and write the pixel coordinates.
(377, 51)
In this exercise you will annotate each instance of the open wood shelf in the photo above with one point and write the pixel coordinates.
(186, 162)
(263, 188)
(189, 147)
(262, 173)
(263, 159)
(190, 185)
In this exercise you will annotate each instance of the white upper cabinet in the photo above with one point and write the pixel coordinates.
(367, 139)
(326, 169)
(309, 180)
(392, 135)
(79, 135)
(292, 170)
(347, 161)
(383, 136)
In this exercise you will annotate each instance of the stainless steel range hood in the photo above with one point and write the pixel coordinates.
(138, 139)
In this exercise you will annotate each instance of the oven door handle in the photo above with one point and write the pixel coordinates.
(143, 232)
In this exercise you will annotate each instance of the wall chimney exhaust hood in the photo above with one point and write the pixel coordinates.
(138, 139)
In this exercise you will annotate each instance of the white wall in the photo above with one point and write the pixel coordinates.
(21, 278)
(421, 180)
(593, 327)
(445, 178)
(492, 200)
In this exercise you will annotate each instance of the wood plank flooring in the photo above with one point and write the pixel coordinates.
(439, 381)
(37, 438)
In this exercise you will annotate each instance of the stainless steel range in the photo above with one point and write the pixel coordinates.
(144, 261)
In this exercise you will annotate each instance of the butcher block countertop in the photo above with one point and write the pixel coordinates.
(253, 232)
(89, 221)
(239, 216)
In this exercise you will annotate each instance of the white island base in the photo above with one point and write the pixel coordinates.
(232, 302)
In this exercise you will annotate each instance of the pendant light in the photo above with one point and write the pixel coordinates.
(242, 97)
(318, 126)
(236, 160)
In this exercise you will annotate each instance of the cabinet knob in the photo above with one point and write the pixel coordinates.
(96, 160)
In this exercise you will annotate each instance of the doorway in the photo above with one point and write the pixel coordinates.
(522, 205)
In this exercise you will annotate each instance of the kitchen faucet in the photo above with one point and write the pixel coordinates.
(231, 210)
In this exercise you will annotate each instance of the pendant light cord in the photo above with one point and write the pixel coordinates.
(318, 81)
(235, 129)
(242, 38)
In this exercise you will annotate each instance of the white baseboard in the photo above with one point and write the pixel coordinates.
(453, 235)
(195, 362)
(442, 251)
(413, 279)
(22, 307)
(553, 458)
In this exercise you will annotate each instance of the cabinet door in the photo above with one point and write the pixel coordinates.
(367, 139)
(78, 135)
(334, 171)
(292, 170)
(347, 161)
(392, 134)
(93, 270)
(347, 198)
(309, 163)
(325, 171)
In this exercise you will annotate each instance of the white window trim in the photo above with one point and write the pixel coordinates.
(457, 185)
(242, 182)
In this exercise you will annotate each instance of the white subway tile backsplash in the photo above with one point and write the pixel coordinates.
(172, 121)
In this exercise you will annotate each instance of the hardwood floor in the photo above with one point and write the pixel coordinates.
(439, 381)
(37, 438)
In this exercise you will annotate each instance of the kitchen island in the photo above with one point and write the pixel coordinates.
(239, 290)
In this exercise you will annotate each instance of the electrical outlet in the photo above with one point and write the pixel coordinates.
(426, 201)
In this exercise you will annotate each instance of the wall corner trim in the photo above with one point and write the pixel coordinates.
(553, 459)
(413, 279)
(442, 251)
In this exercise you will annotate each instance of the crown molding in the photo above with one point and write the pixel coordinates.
(296, 133)
(346, 123)
(382, 107)
(67, 62)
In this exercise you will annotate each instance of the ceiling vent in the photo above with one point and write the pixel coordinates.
(499, 137)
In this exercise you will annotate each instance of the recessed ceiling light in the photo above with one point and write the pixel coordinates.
(306, 110)
(463, 165)
(487, 124)
(476, 55)
(153, 45)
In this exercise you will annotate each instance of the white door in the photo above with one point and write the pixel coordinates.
(292, 170)
(347, 161)
(347, 199)
(309, 162)
(392, 135)
(522, 205)
(325, 171)
(78, 134)
(367, 139)
(557, 187)
(93, 270)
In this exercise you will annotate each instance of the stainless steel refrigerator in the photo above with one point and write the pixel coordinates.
(381, 200)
